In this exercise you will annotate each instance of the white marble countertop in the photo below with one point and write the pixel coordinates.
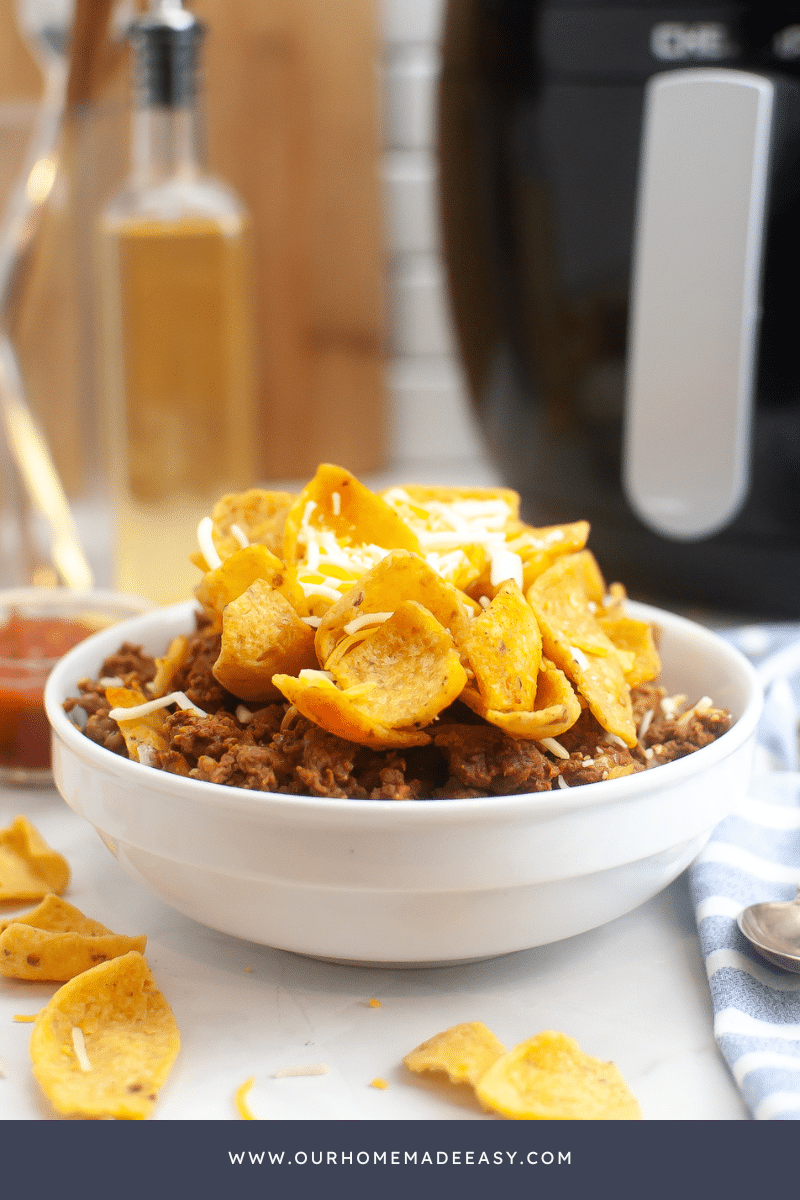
(634, 991)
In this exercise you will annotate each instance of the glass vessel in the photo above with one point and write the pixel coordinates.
(176, 319)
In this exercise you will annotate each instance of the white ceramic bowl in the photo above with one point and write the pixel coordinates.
(406, 883)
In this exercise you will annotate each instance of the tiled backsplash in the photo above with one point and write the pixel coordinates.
(430, 413)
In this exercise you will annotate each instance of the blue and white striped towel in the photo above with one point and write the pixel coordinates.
(755, 855)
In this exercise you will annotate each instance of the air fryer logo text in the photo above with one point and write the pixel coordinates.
(676, 41)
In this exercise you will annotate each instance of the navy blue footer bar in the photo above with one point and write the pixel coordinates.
(387, 1159)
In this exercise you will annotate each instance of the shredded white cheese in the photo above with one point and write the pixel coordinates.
(145, 753)
(336, 503)
(505, 565)
(580, 658)
(562, 783)
(291, 1072)
(702, 706)
(80, 1048)
(615, 740)
(671, 704)
(108, 681)
(241, 536)
(646, 722)
(319, 589)
(314, 622)
(309, 673)
(554, 747)
(443, 529)
(206, 541)
(149, 706)
(373, 618)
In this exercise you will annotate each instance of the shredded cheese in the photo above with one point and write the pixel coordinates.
(206, 541)
(240, 1097)
(373, 618)
(505, 565)
(336, 503)
(373, 1003)
(646, 723)
(142, 710)
(314, 622)
(292, 1072)
(318, 676)
(380, 1084)
(319, 589)
(703, 705)
(671, 704)
(23, 1018)
(615, 740)
(80, 1048)
(580, 658)
(562, 783)
(241, 536)
(554, 747)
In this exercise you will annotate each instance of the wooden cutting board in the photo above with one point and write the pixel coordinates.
(293, 125)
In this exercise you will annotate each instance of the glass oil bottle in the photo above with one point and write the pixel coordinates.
(176, 319)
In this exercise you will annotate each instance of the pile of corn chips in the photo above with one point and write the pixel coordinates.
(545, 1078)
(106, 1041)
(371, 613)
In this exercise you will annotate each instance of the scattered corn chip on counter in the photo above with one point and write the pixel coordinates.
(418, 643)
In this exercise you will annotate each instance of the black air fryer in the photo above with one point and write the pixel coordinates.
(621, 214)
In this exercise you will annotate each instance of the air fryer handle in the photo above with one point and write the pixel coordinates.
(695, 298)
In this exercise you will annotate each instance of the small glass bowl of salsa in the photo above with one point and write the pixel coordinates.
(38, 626)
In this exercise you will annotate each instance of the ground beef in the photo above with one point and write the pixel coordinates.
(482, 757)
(670, 737)
(131, 665)
(195, 678)
(595, 755)
(275, 749)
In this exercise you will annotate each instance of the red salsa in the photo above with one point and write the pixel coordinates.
(28, 648)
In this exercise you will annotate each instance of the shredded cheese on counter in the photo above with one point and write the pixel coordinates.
(240, 1097)
(292, 1072)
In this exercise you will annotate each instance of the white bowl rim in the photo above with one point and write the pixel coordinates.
(224, 796)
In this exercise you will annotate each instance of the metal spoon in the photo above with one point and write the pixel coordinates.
(773, 929)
